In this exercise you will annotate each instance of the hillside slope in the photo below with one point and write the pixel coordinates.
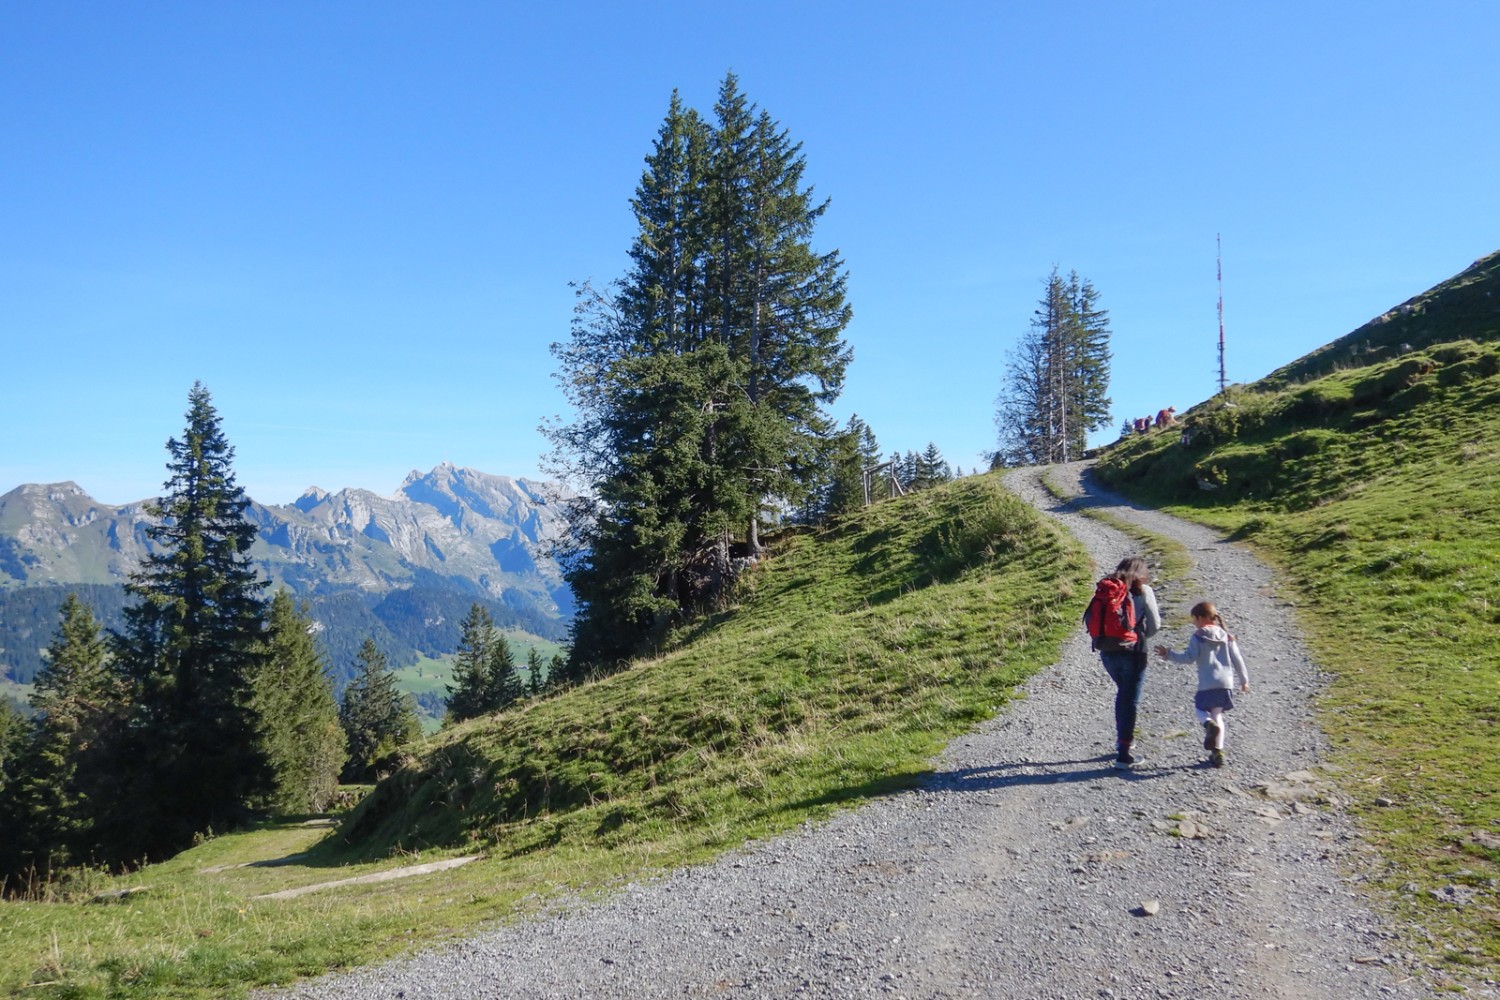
(860, 649)
(1373, 486)
(854, 656)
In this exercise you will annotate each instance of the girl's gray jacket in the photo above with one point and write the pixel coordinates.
(1220, 664)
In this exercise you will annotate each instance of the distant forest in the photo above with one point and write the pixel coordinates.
(404, 624)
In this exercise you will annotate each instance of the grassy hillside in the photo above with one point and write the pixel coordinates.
(854, 655)
(1375, 485)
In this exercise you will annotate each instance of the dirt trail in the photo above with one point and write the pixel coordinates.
(1020, 869)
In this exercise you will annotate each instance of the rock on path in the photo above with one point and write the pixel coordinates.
(1026, 867)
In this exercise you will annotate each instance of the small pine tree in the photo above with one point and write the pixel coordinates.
(557, 672)
(535, 672)
(468, 695)
(80, 708)
(299, 716)
(504, 687)
(378, 720)
(13, 732)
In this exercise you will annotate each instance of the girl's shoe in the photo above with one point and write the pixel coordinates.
(1216, 758)
(1211, 735)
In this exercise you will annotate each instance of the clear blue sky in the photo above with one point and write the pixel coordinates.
(356, 222)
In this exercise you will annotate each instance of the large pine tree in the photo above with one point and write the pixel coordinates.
(698, 380)
(190, 649)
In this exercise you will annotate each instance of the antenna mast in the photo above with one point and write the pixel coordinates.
(1219, 244)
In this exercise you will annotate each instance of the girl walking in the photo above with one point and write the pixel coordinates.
(1220, 669)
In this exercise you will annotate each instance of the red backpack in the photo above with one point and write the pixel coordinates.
(1110, 618)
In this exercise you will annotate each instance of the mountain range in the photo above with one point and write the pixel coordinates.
(402, 569)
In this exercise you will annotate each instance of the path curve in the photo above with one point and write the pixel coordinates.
(1019, 869)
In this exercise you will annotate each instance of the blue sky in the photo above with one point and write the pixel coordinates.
(356, 222)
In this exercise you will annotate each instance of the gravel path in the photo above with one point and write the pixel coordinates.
(1021, 869)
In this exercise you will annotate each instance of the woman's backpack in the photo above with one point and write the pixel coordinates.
(1110, 618)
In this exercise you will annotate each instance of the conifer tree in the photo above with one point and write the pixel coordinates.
(13, 733)
(378, 720)
(777, 303)
(1057, 378)
(557, 672)
(698, 381)
(535, 672)
(840, 487)
(468, 694)
(80, 709)
(931, 469)
(300, 728)
(191, 758)
(505, 687)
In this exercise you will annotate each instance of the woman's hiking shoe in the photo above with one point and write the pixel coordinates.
(1216, 758)
(1210, 737)
(1124, 758)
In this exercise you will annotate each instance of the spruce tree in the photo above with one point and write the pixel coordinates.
(378, 720)
(468, 694)
(16, 853)
(697, 382)
(505, 686)
(80, 708)
(13, 735)
(191, 758)
(1057, 377)
(300, 728)
(535, 672)
(840, 485)
(779, 304)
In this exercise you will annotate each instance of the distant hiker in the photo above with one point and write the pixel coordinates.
(1126, 592)
(1142, 425)
(1220, 669)
(1167, 417)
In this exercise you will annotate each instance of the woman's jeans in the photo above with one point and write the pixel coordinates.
(1128, 671)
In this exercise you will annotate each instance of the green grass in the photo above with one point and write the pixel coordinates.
(1374, 490)
(429, 675)
(854, 655)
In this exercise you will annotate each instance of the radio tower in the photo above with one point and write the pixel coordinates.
(1219, 244)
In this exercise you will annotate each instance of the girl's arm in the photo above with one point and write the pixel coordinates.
(1189, 655)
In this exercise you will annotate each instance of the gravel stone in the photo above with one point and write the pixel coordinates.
(1020, 868)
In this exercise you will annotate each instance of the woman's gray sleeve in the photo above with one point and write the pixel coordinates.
(1151, 617)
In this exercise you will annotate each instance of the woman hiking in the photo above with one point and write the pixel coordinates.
(1127, 666)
